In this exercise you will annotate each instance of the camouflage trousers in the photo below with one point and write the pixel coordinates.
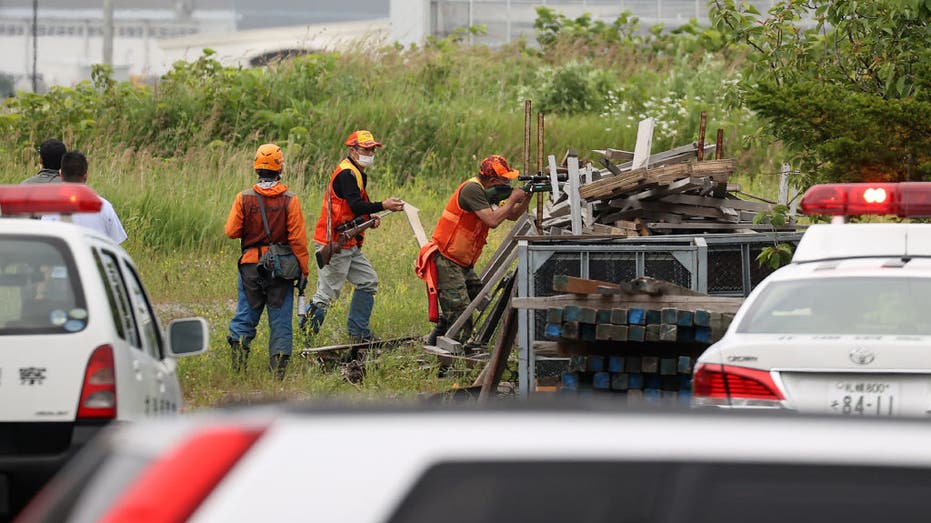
(456, 287)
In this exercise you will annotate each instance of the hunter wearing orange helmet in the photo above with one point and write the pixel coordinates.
(345, 199)
(266, 214)
(447, 262)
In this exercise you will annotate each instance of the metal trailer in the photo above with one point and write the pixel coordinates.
(716, 264)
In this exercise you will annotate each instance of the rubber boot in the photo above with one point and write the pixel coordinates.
(360, 310)
(278, 364)
(440, 329)
(239, 355)
(315, 315)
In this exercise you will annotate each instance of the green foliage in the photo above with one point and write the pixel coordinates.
(572, 88)
(779, 253)
(848, 92)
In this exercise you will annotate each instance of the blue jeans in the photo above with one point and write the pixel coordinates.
(242, 326)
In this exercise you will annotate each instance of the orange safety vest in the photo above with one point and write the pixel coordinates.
(460, 234)
(340, 212)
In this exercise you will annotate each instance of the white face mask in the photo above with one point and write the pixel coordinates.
(366, 161)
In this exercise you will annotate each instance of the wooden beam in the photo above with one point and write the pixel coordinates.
(413, 219)
(501, 351)
(521, 226)
(575, 203)
(719, 304)
(380, 344)
(644, 143)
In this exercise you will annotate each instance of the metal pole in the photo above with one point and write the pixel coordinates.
(527, 117)
(108, 32)
(539, 171)
(35, 43)
(701, 136)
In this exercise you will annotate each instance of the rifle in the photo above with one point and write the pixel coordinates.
(344, 233)
(535, 184)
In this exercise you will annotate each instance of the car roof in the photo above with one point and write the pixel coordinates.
(51, 228)
(858, 240)
(586, 428)
(874, 267)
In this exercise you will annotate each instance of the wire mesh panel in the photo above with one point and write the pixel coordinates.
(567, 263)
(611, 266)
(666, 267)
(725, 271)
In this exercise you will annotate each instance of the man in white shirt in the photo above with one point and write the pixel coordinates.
(74, 170)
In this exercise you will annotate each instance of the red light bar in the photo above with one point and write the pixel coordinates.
(906, 199)
(64, 198)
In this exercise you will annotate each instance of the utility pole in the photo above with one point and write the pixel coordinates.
(35, 43)
(108, 32)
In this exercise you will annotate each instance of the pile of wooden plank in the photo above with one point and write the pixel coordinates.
(668, 197)
(639, 337)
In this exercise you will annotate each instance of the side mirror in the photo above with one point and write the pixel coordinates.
(187, 337)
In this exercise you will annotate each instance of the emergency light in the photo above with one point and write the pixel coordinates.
(905, 199)
(64, 198)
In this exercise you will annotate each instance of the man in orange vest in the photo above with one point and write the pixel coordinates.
(266, 213)
(345, 199)
(460, 235)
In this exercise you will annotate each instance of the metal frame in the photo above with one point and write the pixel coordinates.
(691, 251)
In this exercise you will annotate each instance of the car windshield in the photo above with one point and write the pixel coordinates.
(847, 305)
(39, 288)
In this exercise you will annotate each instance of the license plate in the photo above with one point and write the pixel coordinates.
(863, 398)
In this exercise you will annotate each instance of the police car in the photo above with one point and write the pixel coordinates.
(845, 328)
(580, 462)
(80, 344)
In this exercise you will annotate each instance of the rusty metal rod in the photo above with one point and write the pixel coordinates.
(719, 145)
(539, 222)
(527, 123)
(701, 136)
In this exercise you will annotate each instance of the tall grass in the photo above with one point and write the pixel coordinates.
(171, 160)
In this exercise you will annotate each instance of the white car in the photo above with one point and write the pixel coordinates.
(547, 463)
(80, 344)
(846, 327)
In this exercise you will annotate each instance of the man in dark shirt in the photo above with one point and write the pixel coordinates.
(344, 200)
(50, 153)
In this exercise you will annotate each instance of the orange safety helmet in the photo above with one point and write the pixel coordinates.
(269, 157)
(362, 138)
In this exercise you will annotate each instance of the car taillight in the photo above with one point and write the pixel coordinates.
(906, 200)
(172, 488)
(736, 386)
(98, 394)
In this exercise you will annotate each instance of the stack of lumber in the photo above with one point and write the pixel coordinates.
(638, 338)
(676, 193)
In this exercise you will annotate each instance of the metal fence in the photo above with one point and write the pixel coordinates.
(507, 20)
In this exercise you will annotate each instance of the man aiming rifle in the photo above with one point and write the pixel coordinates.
(535, 184)
(447, 262)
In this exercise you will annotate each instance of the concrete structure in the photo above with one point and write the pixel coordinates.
(507, 20)
(147, 39)
(256, 47)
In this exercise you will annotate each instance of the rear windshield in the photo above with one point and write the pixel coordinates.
(864, 306)
(40, 292)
